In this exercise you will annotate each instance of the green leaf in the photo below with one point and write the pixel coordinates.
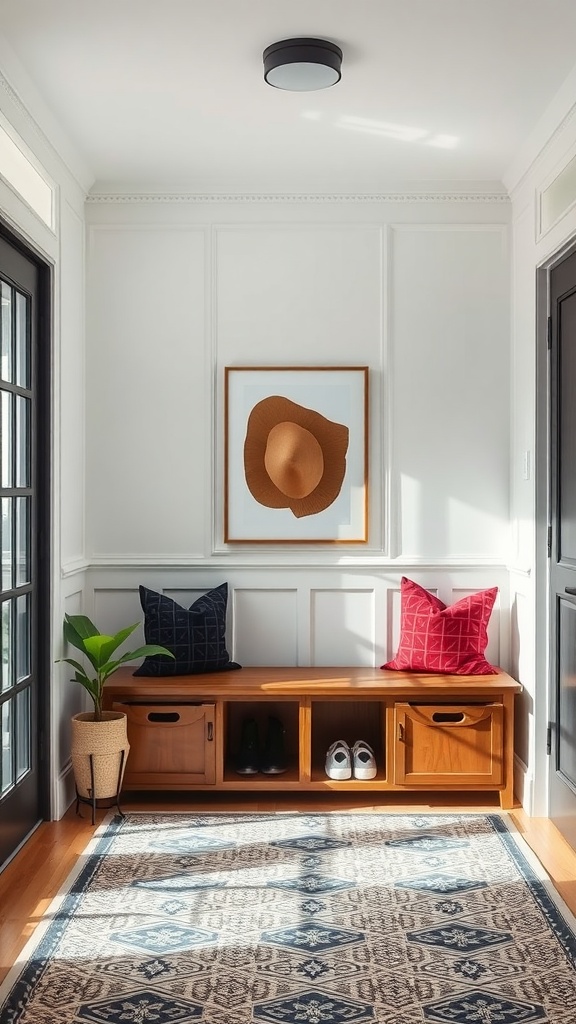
(81, 633)
(111, 667)
(75, 664)
(96, 649)
(114, 642)
(77, 629)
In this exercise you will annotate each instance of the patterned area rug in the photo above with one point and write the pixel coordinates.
(339, 918)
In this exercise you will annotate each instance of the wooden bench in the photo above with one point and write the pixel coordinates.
(428, 731)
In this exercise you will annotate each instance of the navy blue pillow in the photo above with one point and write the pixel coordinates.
(195, 635)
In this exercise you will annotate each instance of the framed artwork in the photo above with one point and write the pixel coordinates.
(296, 454)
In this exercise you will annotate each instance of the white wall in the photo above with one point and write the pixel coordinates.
(416, 291)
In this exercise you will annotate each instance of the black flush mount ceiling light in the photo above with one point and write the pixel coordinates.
(301, 65)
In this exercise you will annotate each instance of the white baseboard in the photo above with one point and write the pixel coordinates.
(65, 791)
(523, 784)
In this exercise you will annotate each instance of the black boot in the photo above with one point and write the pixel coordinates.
(274, 759)
(248, 760)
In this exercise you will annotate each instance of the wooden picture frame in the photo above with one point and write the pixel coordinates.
(296, 455)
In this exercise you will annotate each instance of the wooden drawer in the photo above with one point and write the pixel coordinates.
(448, 744)
(170, 744)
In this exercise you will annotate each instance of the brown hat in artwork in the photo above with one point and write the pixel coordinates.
(294, 457)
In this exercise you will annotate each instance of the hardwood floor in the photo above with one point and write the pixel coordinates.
(33, 878)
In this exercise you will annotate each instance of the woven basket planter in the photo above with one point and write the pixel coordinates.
(105, 741)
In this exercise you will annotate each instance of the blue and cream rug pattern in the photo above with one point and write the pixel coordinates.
(296, 918)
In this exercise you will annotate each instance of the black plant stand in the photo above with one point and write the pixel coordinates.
(92, 799)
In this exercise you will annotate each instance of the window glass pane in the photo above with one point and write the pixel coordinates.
(22, 733)
(22, 436)
(22, 541)
(6, 543)
(6, 770)
(22, 342)
(6, 438)
(22, 637)
(7, 673)
(6, 330)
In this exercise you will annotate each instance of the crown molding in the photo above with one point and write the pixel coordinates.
(545, 137)
(25, 114)
(515, 177)
(154, 198)
(80, 176)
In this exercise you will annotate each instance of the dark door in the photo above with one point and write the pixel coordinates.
(24, 502)
(562, 583)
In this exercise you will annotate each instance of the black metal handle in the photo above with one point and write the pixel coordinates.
(570, 590)
(210, 732)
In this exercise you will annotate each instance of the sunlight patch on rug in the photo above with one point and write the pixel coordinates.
(295, 918)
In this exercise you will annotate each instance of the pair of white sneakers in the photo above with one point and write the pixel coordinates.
(344, 762)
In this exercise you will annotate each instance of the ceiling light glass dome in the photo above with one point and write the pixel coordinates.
(302, 65)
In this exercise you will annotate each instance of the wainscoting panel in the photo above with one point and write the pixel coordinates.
(115, 609)
(343, 627)
(300, 616)
(449, 351)
(147, 318)
(70, 400)
(311, 291)
(68, 698)
(265, 626)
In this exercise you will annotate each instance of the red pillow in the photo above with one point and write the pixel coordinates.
(434, 638)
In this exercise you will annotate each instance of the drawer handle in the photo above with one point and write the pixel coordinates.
(210, 732)
(448, 716)
(163, 716)
(400, 732)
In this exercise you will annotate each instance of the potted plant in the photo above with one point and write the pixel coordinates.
(99, 738)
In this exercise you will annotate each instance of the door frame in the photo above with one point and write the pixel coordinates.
(44, 457)
(543, 512)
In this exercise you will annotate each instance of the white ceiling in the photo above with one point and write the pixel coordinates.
(170, 95)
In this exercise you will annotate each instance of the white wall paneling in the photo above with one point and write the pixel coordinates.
(71, 410)
(300, 294)
(283, 616)
(343, 626)
(265, 625)
(68, 698)
(300, 290)
(450, 352)
(523, 359)
(299, 285)
(149, 392)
